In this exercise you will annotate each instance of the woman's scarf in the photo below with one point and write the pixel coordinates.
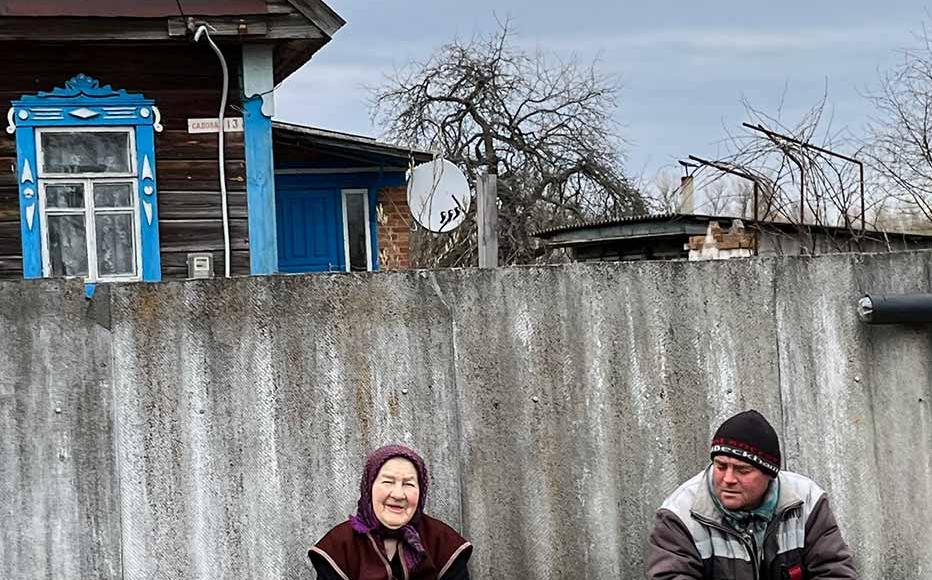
(365, 521)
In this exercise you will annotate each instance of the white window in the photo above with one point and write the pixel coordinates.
(87, 184)
(356, 241)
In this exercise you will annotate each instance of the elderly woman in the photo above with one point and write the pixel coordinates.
(391, 537)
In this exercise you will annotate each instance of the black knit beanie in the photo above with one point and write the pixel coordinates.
(749, 437)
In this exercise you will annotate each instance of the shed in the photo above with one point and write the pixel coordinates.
(666, 236)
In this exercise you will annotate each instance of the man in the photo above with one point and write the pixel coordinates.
(742, 518)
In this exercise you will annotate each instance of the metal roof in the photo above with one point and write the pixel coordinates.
(327, 137)
(683, 218)
(652, 217)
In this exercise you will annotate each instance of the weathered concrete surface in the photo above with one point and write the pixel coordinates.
(590, 396)
(856, 404)
(556, 406)
(245, 409)
(58, 488)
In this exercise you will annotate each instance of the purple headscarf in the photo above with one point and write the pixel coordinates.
(365, 521)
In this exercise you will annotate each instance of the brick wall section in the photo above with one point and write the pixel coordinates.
(394, 219)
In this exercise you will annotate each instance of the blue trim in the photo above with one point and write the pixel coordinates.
(260, 188)
(147, 201)
(82, 85)
(374, 227)
(26, 175)
(82, 102)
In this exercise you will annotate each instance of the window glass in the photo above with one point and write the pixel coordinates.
(356, 224)
(115, 244)
(113, 195)
(67, 245)
(64, 196)
(85, 152)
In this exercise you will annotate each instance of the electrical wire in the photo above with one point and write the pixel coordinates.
(202, 31)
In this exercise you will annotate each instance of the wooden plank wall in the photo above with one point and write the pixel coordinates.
(184, 80)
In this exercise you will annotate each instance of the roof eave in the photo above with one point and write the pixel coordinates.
(323, 17)
(349, 141)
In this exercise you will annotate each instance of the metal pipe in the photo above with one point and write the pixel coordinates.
(202, 31)
(732, 171)
(802, 187)
(774, 135)
(895, 308)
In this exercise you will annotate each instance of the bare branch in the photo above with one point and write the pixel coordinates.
(544, 125)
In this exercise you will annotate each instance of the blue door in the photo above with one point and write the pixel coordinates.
(310, 233)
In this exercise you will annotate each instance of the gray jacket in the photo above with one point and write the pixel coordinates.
(802, 542)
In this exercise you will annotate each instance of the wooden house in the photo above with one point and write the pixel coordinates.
(106, 175)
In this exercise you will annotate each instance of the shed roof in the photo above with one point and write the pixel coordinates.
(674, 224)
(364, 147)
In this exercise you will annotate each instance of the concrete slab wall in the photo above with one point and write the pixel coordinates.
(556, 407)
(59, 489)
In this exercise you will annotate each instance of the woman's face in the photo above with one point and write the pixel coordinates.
(395, 493)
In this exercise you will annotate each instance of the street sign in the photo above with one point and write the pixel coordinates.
(211, 125)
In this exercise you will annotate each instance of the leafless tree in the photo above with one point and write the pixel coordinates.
(902, 127)
(544, 125)
(799, 184)
(662, 192)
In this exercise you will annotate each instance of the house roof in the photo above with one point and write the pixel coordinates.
(320, 14)
(298, 28)
(129, 8)
(367, 148)
(314, 10)
(674, 225)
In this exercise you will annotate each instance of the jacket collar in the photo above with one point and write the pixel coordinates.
(704, 506)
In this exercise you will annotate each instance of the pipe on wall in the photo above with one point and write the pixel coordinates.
(895, 308)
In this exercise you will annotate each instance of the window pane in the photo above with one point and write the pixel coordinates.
(64, 195)
(85, 152)
(113, 195)
(115, 247)
(67, 245)
(356, 224)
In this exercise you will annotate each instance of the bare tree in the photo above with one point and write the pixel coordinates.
(544, 125)
(662, 192)
(900, 150)
(798, 181)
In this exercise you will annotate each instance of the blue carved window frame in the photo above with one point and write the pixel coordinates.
(82, 103)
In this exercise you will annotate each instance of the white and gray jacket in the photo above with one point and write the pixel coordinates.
(802, 542)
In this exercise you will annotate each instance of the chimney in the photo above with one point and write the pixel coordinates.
(686, 203)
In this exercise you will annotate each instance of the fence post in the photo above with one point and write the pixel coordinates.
(487, 216)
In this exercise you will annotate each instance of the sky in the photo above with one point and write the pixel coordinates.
(685, 67)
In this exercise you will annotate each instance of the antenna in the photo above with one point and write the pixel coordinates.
(438, 195)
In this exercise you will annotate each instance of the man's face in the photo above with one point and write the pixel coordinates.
(738, 484)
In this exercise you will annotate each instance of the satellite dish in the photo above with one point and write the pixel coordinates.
(438, 195)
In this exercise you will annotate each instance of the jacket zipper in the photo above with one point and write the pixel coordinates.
(745, 541)
(730, 532)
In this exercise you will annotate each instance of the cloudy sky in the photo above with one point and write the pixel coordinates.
(685, 66)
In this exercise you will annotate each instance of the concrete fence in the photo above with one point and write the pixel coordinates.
(207, 430)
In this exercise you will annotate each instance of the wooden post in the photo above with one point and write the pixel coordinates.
(487, 216)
